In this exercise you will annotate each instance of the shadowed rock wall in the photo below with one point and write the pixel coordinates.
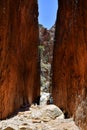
(70, 60)
(19, 68)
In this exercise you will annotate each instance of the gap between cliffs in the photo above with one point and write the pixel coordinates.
(47, 15)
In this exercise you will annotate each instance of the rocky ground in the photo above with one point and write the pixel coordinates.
(47, 117)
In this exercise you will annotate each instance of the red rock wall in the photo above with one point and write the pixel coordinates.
(19, 69)
(70, 59)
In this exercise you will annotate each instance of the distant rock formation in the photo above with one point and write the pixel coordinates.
(46, 38)
(19, 62)
(70, 60)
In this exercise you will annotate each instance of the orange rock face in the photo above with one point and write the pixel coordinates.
(70, 60)
(19, 65)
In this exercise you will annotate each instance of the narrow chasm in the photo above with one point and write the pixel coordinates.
(47, 17)
(46, 38)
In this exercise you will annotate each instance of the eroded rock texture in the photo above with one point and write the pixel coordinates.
(70, 60)
(19, 74)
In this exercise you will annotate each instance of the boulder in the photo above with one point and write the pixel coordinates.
(46, 113)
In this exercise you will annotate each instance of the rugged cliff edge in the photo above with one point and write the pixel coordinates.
(19, 68)
(70, 60)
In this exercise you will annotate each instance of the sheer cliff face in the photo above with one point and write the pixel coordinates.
(70, 59)
(19, 76)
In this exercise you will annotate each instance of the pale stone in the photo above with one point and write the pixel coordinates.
(61, 116)
(45, 119)
(0, 127)
(44, 98)
(51, 111)
(20, 113)
(36, 121)
(22, 127)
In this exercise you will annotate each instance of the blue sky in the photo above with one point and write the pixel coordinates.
(47, 12)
